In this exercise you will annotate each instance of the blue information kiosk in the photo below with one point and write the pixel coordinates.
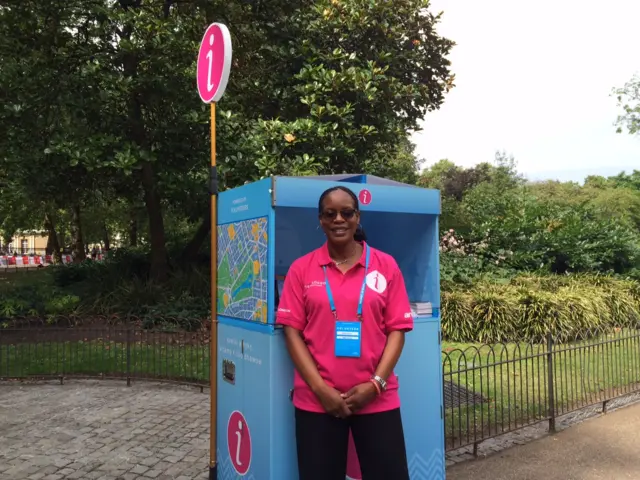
(262, 228)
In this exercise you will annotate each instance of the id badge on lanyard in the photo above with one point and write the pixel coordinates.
(348, 333)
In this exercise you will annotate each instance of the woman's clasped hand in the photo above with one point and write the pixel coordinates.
(344, 404)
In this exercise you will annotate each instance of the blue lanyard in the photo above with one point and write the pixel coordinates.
(362, 289)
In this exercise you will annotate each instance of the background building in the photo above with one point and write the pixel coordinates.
(25, 243)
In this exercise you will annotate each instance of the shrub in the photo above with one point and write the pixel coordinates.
(119, 285)
(32, 294)
(498, 310)
(529, 307)
(65, 275)
(542, 235)
(458, 324)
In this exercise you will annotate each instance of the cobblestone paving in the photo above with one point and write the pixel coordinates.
(106, 431)
(103, 430)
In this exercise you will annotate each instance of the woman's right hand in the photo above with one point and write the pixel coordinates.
(332, 402)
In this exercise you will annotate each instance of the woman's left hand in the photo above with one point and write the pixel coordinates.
(360, 395)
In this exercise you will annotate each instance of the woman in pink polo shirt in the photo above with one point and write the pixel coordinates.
(345, 312)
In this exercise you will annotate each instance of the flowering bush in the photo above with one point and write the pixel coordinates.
(450, 244)
(464, 263)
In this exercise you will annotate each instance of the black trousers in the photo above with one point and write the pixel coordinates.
(322, 442)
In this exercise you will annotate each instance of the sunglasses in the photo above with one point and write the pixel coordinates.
(347, 214)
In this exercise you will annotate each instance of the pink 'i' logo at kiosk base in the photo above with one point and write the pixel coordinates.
(239, 442)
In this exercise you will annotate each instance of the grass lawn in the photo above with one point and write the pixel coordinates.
(187, 363)
(511, 382)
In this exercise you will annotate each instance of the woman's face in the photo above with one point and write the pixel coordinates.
(339, 218)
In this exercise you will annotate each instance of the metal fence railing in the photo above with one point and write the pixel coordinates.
(489, 390)
(126, 353)
(495, 389)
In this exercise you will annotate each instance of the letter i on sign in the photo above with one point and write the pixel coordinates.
(210, 59)
(239, 435)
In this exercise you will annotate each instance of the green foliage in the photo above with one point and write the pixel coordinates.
(538, 235)
(509, 225)
(608, 197)
(119, 285)
(32, 294)
(529, 307)
(65, 275)
(462, 269)
(629, 101)
(123, 139)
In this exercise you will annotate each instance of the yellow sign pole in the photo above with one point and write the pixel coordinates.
(213, 376)
(213, 68)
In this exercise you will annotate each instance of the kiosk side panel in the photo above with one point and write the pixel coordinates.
(283, 435)
(256, 438)
(420, 379)
(231, 408)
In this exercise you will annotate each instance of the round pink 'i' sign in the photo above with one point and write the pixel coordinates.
(214, 62)
(364, 196)
(239, 442)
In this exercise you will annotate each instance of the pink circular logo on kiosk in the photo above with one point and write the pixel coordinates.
(214, 63)
(239, 442)
(365, 197)
(353, 466)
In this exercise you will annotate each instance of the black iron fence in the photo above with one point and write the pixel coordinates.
(108, 351)
(495, 389)
(489, 390)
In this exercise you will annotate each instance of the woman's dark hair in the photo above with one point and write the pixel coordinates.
(359, 236)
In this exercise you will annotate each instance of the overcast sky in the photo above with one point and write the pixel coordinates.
(535, 79)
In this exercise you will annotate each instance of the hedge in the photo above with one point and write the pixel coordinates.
(529, 307)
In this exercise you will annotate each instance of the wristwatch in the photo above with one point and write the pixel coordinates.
(381, 382)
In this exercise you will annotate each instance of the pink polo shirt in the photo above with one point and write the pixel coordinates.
(304, 305)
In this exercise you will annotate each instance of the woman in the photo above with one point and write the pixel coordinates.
(345, 312)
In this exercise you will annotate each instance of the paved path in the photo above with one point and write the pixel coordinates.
(604, 448)
(103, 430)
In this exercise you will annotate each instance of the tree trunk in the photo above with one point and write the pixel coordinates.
(193, 247)
(105, 237)
(137, 134)
(53, 245)
(133, 228)
(77, 242)
(159, 260)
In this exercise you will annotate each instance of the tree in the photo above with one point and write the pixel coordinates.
(629, 100)
(125, 124)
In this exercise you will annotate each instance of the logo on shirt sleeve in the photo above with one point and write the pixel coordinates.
(376, 281)
(315, 283)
